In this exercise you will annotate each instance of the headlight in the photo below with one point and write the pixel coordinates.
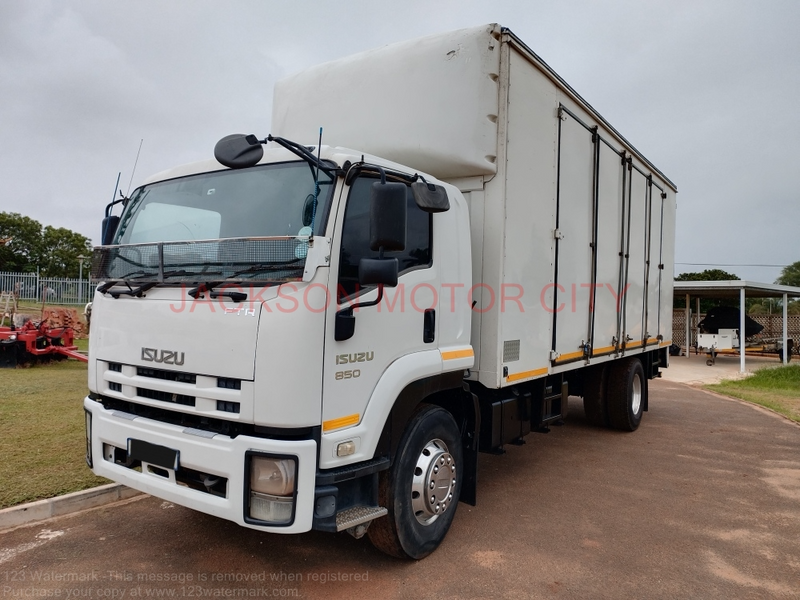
(13, 337)
(272, 489)
(273, 476)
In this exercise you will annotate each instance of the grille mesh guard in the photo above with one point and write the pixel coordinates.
(234, 259)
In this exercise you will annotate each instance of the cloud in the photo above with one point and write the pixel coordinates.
(705, 90)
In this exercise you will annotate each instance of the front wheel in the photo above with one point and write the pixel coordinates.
(627, 389)
(422, 488)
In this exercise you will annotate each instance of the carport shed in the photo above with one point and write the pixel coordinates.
(742, 289)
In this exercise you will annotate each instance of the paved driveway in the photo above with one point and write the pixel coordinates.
(702, 502)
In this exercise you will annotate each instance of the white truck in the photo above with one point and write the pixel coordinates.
(298, 337)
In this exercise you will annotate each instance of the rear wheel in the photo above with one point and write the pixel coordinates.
(422, 487)
(627, 388)
(594, 396)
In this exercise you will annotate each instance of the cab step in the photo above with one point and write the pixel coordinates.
(358, 515)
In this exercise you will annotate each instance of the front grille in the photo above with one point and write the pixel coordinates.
(167, 375)
(183, 391)
(165, 396)
(229, 384)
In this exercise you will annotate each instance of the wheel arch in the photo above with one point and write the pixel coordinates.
(446, 391)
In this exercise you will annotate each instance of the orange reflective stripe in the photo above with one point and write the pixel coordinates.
(526, 374)
(451, 354)
(340, 422)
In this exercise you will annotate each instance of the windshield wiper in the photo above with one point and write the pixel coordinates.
(124, 281)
(136, 292)
(261, 267)
(209, 289)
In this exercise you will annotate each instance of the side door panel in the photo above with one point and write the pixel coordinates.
(383, 333)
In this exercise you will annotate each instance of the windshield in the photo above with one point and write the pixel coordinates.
(262, 201)
(237, 225)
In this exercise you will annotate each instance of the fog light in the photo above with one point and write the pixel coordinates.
(88, 438)
(346, 448)
(272, 476)
(271, 509)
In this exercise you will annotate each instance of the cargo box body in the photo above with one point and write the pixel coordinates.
(572, 228)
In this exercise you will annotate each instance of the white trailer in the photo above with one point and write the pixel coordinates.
(318, 337)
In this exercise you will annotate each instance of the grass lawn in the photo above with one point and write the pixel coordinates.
(42, 441)
(776, 388)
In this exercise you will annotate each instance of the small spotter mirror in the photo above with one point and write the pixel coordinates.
(309, 209)
(429, 197)
(238, 151)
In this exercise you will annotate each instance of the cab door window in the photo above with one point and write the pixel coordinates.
(355, 239)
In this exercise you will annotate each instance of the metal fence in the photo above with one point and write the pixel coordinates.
(773, 326)
(32, 288)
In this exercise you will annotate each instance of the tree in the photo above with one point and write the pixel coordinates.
(25, 246)
(20, 242)
(60, 251)
(708, 275)
(790, 275)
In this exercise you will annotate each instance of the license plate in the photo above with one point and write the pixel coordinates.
(160, 456)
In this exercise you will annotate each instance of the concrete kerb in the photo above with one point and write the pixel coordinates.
(63, 505)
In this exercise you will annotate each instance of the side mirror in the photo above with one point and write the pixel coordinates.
(238, 151)
(109, 228)
(378, 271)
(387, 217)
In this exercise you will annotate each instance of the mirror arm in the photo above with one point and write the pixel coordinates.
(349, 310)
(113, 203)
(303, 153)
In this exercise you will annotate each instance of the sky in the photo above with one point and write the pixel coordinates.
(706, 90)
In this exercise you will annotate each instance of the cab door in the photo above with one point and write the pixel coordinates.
(403, 322)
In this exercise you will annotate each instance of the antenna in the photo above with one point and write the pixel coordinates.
(136, 162)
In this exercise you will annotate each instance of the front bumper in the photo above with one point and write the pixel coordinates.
(214, 454)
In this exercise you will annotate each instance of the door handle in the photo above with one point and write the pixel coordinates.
(429, 326)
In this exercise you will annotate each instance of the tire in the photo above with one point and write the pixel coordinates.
(414, 526)
(627, 391)
(594, 396)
